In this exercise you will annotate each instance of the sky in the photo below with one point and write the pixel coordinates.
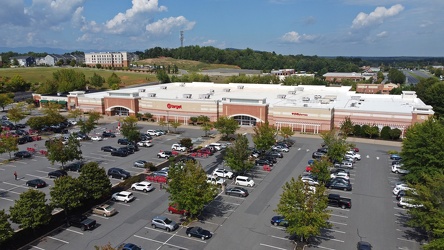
(287, 27)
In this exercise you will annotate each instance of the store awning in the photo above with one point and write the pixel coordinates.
(53, 101)
(43, 101)
(63, 102)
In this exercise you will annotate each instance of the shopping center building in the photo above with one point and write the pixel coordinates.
(305, 108)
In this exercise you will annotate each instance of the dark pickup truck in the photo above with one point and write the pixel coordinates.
(337, 201)
(81, 221)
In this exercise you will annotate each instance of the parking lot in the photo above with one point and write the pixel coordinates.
(236, 222)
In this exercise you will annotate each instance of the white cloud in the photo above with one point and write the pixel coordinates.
(382, 34)
(166, 25)
(295, 37)
(209, 42)
(378, 16)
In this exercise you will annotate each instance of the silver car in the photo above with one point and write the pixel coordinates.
(164, 223)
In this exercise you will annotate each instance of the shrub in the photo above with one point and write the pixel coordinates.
(385, 133)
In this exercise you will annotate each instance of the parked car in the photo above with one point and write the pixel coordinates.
(223, 173)
(309, 180)
(119, 152)
(198, 232)
(408, 203)
(108, 134)
(124, 196)
(144, 186)
(337, 201)
(400, 187)
(173, 209)
(279, 221)
(206, 151)
(339, 183)
(123, 141)
(96, 138)
(105, 210)
(161, 173)
(363, 245)
(353, 154)
(140, 163)
(346, 164)
(237, 191)
(274, 154)
(395, 157)
(344, 175)
(280, 148)
(178, 147)
(145, 143)
(57, 174)
(108, 148)
(75, 166)
(129, 246)
(21, 132)
(262, 161)
(164, 154)
(399, 169)
(216, 180)
(400, 194)
(81, 221)
(153, 132)
(164, 223)
(317, 155)
(244, 181)
(22, 154)
(118, 173)
(36, 183)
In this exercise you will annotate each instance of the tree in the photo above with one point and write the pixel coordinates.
(357, 130)
(429, 217)
(52, 114)
(264, 136)
(188, 187)
(114, 81)
(88, 125)
(16, 84)
(395, 134)
(58, 152)
(396, 76)
(129, 129)
(423, 150)
(175, 125)
(321, 170)
(237, 156)
(162, 76)
(97, 80)
(226, 126)
(186, 142)
(205, 123)
(8, 143)
(162, 123)
(385, 132)
(286, 132)
(37, 122)
(17, 113)
(95, 181)
(75, 114)
(304, 209)
(66, 193)
(347, 126)
(69, 79)
(6, 230)
(5, 100)
(31, 210)
(336, 144)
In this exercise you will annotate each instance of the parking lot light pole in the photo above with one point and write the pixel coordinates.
(168, 121)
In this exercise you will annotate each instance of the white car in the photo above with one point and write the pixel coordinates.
(216, 180)
(401, 187)
(399, 170)
(280, 148)
(353, 154)
(343, 175)
(223, 173)
(153, 132)
(178, 147)
(144, 144)
(96, 138)
(309, 180)
(144, 186)
(407, 203)
(124, 196)
(72, 122)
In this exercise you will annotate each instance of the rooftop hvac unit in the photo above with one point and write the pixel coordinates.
(305, 105)
(356, 97)
(152, 95)
(224, 99)
(317, 97)
(182, 85)
(325, 101)
(240, 87)
(293, 92)
(142, 90)
(281, 96)
(212, 91)
(187, 96)
(361, 100)
(305, 99)
(353, 104)
(204, 96)
(300, 88)
(163, 87)
(226, 90)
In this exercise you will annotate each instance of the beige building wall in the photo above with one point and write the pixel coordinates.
(301, 119)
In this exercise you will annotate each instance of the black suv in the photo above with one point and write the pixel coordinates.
(118, 173)
(123, 141)
(108, 134)
(263, 162)
(81, 221)
(75, 166)
(119, 152)
(337, 201)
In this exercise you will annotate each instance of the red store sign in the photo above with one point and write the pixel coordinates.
(171, 106)
(296, 113)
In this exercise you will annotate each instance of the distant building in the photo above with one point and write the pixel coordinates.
(23, 61)
(375, 88)
(107, 59)
(1, 61)
(340, 76)
(53, 59)
(283, 72)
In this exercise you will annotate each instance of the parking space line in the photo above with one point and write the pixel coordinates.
(54, 238)
(326, 238)
(37, 247)
(74, 231)
(340, 209)
(325, 248)
(280, 228)
(102, 217)
(44, 172)
(265, 245)
(339, 223)
(231, 203)
(332, 230)
(337, 215)
(15, 185)
(407, 240)
(281, 238)
(6, 199)
(123, 204)
(402, 209)
(10, 190)
(53, 168)
(40, 177)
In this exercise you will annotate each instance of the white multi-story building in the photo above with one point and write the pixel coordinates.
(107, 59)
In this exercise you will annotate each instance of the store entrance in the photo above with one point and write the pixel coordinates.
(245, 120)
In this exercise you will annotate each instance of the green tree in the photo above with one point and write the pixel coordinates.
(162, 76)
(97, 80)
(357, 130)
(6, 230)
(162, 124)
(186, 142)
(286, 132)
(5, 100)
(423, 150)
(205, 123)
(66, 193)
(88, 125)
(175, 125)
(347, 126)
(8, 143)
(395, 134)
(31, 210)
(129, 129)
(396, 76)
(52, 114)
(37, 122)
(95, 181)
(304, 209)
(114, 81)
(17, 113)
(385, 132)
(264, 136)
(75, 114)
(188, 187)
(69, 80)
(429, 217)
(58, 152)
(226, 126)
(16, 84)
(321, 170)
(237, 156)
(337, 145)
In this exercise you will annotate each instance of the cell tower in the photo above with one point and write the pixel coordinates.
(181, 38)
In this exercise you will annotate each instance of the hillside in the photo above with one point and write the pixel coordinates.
(188, 65)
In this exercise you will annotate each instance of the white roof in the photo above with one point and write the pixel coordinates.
(310, 96)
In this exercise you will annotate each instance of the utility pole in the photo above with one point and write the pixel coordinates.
(181, 38)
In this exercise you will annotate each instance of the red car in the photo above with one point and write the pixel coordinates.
(174, 210)
(308, 168)
(157, 178)
(205, 151)
(356, 149)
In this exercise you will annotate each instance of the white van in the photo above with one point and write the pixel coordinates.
(216, 145)
(244, 181)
